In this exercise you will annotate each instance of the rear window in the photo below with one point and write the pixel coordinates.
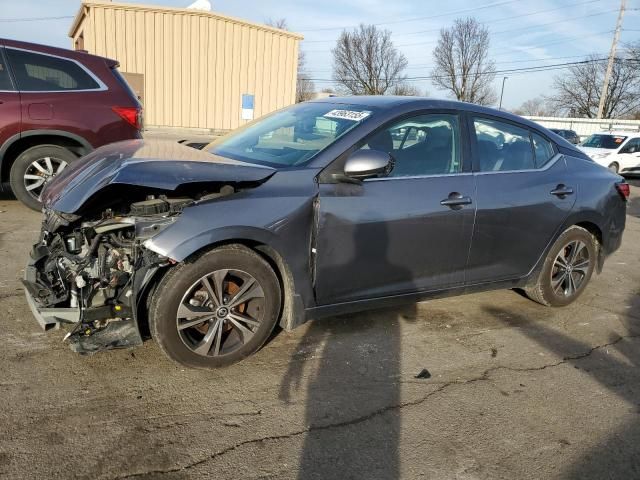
(36, 72)
(123, 82)
(610, 142)
(543, 149)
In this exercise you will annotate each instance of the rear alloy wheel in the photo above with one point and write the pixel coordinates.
(34, 169)
(614, 167)
(216, 310)
(567, 269)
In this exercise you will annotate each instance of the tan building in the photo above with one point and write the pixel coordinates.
(192, 68)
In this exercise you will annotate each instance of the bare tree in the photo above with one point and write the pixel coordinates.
(305, 88)
(462, 62)
(535, 107)
(365, 62)
(577, 93)
(280, 23)
(405, 89)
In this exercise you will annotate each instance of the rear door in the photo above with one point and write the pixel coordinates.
(9, 105)
(524, 194)
(57, 93)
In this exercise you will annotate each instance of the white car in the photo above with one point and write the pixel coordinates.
(618, 151)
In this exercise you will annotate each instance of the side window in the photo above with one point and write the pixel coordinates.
(632, 146)
(543, 149)
(502, 146)
(34, 72)
(421, 145)
(5, 80)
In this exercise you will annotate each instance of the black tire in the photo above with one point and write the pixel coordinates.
(180, 280)
(543, 290)
(614, 167)
(23, 166)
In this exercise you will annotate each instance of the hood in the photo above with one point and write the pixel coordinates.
(156, 164)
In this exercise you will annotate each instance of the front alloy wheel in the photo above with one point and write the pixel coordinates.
(217, 308)
(220, 313)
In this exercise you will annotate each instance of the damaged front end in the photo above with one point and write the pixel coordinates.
(92, 274)
(90, 267)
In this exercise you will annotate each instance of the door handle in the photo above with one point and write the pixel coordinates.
(562, 191)
(455, 201)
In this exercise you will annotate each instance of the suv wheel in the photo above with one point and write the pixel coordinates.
(217, 309)
(566, 270)
(614, 167)
(34, 168)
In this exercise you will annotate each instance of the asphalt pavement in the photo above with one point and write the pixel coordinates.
(484, 386)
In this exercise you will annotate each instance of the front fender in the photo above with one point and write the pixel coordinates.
(281, 223)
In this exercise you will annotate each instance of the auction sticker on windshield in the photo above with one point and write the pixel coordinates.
(354, 115)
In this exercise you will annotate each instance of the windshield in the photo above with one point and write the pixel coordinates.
(291, 136)
(610, 142)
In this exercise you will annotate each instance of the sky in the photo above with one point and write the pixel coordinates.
(523, 33)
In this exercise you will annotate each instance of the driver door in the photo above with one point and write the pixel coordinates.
(393, 235)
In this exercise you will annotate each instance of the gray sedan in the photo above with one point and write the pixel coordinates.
(326, 207)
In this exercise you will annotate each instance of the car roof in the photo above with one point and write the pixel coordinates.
(619, 133)
(389, 101)
(46, 49)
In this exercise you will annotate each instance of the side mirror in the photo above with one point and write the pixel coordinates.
(363, 164)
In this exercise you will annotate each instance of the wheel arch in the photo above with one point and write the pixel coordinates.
(17, 144)
(590, 221)
(292, 309)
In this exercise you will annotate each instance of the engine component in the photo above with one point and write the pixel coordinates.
(159, 206)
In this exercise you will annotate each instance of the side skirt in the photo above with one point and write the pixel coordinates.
(414, 297)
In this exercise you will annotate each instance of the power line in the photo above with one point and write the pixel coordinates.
(34, 19)
(570, 39)
(512, 71)
(415, 19)
(506, 62)
(453, 13)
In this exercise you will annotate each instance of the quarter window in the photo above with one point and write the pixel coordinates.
(543, 149)
(5, 80)
(421, 145)
(502, 146)
(35, 72)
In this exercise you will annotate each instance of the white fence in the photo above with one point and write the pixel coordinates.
(586, 126)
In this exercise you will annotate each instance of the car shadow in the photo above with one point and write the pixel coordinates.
(351, 367)
(618, 455)
(7, 195)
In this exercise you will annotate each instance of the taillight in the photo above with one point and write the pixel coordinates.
(623, 190)
(131, 115)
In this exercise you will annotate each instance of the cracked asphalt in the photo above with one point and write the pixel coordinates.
(515, 390)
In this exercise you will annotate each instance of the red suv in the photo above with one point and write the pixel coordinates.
(55, 106)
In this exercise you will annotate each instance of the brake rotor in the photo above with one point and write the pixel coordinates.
(231, 289)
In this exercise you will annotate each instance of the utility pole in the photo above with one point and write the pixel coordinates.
(612, 56)
(504, 79)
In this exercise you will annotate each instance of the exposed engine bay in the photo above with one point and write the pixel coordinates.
(95, 273)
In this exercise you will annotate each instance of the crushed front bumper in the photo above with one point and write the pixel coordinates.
(86, 340)
(48, 318)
